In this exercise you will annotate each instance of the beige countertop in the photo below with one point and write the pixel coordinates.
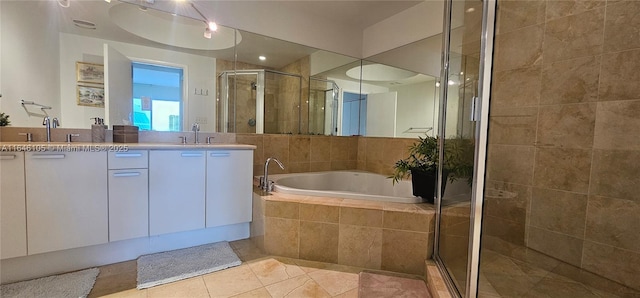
(114, 147)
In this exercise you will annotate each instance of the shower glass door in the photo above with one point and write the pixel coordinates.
(467, 51)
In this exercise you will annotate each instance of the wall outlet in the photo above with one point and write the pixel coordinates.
(201, 120)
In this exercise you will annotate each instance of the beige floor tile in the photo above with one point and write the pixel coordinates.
(297, 287)
(349, 294)
(133, 293)
(231, 281)
(257, 293)
(192, 288)
(335, 282)
(270, 271)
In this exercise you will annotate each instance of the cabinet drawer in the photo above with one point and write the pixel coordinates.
(134, 159)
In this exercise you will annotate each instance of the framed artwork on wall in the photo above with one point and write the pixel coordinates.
(90, 96)
(89, 73)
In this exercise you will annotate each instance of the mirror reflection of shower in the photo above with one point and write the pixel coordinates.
(323, 106)
(264, 101)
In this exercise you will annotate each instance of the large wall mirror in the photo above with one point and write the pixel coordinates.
(154, 68)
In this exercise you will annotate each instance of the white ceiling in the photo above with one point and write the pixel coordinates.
(347, 14)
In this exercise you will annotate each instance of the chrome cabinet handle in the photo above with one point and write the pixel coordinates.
(219, 154)
(7, 157)
(191, 154)
(48, 156)
(126, 174)
(128, 155)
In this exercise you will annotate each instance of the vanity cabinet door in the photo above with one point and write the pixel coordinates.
(13, 214)
(176, 191)
(66, 200)
(229, 187)
(128, 204)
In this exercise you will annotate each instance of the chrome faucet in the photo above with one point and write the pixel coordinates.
(47, 124)
(265, 184)
(196, 128)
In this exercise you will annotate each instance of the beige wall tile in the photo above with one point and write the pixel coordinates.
(506, 230)
(559, 211)
(621, 26)
(616, 174)
(567, 126)
(614, 222)
(323, 213)
(404, 251)
(507, 201)
(298, 167)
(257, 140)
(361, 217)
(617, 125)
(619, 76)
(617, 264)
(570, 81)
(574, 36)
(320, 149)
(419, 222)
(511, 164)
(360, 246)
(299, 148)
(281, 237)
(563, 169)
(281, 209)
(319, 166)
(319, 241)
(518, 14)
(277, 146)
(521, 48)
(513, 126)
(558, 9)
(527, 93)
(340, 148)
(557, 245)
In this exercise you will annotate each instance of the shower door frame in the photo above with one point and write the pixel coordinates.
(481, 116)
(259, 98)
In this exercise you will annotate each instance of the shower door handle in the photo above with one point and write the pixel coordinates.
(475, 102)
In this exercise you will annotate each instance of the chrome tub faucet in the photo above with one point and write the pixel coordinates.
(265, 183)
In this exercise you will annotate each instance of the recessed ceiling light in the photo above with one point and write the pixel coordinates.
(471, 9)
(84, 24)
(262, 58)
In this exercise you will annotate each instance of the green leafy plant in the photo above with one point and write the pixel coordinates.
(423, 157)
(4, 119)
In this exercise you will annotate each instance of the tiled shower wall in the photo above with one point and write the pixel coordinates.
(565, 133)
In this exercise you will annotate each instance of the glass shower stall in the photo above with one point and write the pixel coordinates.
(259, 101)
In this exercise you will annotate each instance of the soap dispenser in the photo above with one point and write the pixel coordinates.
(98, 130)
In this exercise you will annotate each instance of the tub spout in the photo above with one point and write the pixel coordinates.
(265, 184)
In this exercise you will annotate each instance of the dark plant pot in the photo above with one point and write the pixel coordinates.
(424, 184)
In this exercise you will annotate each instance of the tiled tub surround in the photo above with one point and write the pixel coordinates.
(564, 135)
(376, 235)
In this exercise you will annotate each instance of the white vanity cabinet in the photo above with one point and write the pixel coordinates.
(176, 191)
(229, 187)
(66, 200)
(13, 213)
(128, 195)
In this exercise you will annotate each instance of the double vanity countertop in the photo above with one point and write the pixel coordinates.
(113, 147)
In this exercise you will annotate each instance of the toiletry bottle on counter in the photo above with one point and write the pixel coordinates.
(98, 130)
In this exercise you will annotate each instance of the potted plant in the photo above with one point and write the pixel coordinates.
(422, 164)
(4, 119)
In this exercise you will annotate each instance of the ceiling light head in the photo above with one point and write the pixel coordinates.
(64, 3)
(262, 58)
(108, 1)
(213, 26)
(207, 33)
(437, 84)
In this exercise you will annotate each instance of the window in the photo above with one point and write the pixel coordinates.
(157, 97)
